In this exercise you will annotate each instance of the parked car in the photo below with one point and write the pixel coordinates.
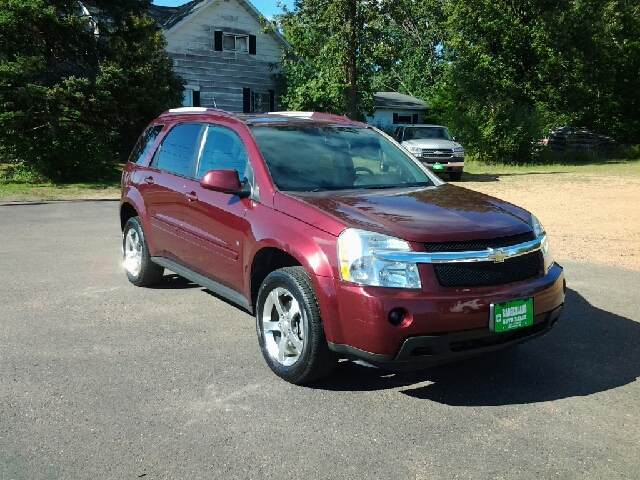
(433, 146)
(337, 240)
(578, 139)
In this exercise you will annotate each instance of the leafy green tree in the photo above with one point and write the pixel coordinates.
(76, 91)
(495, 82)
(416, 33)
(599, 65)
(515, 68)
(336, 47)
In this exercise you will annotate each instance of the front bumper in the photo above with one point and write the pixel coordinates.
(447, 166)
(441, 324)
(429, 350)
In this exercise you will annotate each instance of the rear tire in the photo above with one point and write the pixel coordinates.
(141, 271)
(289, 327)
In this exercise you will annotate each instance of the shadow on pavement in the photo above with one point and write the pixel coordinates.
(495, 177)
(174, 282)
(589, 351)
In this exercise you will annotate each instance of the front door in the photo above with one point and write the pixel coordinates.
(215, 226)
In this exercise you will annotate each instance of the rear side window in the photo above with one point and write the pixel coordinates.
(144, 144)
(179, 149)
(223, 148)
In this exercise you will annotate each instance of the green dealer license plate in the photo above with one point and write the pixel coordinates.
(512, 315)
(438, 166)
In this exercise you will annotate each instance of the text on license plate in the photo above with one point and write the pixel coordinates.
(512, 315)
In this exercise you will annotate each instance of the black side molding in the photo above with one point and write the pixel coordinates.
(217, 288)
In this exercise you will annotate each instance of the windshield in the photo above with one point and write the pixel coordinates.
(316, 158)
(426, 133)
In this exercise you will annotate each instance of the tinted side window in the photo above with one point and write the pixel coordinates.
(178, 149)
(223, 148)
(144, 143)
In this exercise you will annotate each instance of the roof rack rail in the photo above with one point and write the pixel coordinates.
(313, 116)
(198, 110)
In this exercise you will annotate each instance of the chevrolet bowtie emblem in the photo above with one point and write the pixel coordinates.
(498, 256)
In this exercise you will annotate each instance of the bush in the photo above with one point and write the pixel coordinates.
(73, 102)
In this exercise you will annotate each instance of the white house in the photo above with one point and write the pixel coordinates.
(392, 108)
(218, 48)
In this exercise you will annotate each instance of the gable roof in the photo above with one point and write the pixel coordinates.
(170, 17)
(188, 10)
(395, 100)
(161, 14)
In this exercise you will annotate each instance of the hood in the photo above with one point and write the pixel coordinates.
(431, 143)
(436, 214)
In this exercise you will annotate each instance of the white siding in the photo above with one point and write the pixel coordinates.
(221, 76)
(384, 118)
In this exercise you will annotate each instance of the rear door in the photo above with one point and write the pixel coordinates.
(215, 226)
(172, 166)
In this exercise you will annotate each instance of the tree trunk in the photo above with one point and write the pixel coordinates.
(351, 71)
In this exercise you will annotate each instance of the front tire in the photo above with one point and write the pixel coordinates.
(141, 271)
(289, 327)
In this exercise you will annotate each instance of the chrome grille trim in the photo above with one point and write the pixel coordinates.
(496, 255)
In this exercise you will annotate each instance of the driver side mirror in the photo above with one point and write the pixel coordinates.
(456, 139)
(225, 181)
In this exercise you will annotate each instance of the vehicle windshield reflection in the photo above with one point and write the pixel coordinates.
(317, 158)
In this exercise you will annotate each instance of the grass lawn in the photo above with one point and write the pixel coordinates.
(27, 192)
(603, 167)
(24, 191)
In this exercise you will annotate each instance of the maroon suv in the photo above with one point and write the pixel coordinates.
(340, 242)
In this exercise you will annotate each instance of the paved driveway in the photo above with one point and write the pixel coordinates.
(99, 379)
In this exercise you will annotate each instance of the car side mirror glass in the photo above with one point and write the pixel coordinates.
(225, 181)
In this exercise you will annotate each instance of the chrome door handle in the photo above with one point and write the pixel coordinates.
(149, 180)
(192, 196)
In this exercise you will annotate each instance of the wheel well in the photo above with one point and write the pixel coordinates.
(266, 261)
(126, 212)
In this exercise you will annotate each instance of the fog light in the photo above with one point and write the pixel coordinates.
(397, 316)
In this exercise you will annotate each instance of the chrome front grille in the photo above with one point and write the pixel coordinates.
(437, 153)
(482, 274)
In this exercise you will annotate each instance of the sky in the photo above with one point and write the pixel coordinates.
(265, 7)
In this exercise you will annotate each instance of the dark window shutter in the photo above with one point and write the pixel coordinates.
(415, 117)
(246, 100)
(252, 44)
(395, 118)
(196, 98)
(272, 101)
(217, 36)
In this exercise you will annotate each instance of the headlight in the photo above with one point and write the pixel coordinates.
(458, 150)
(539, 231)
(359, 264)
(415, 149)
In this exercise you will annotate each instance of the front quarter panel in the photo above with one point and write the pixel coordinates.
(313, 248)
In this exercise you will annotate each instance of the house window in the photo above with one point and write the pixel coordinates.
(258, 102)
(239, 43)
(234, 42)
(400, 118)
(187, 98)
(191, 96)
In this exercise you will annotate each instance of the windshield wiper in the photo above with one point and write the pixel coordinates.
(379, 187)
(416, 184)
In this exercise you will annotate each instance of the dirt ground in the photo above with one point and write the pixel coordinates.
(587, 217)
